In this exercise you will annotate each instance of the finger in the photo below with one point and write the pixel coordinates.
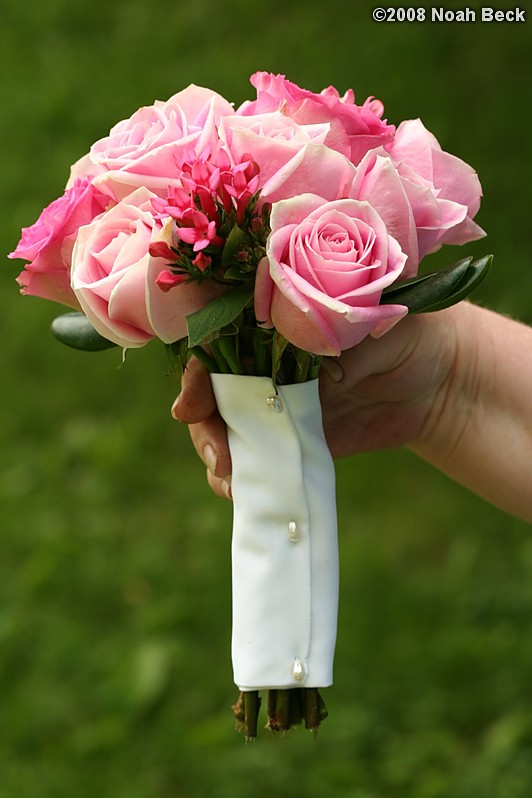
(222, 487)
(370, 357)
(196, 400)
(210, 441)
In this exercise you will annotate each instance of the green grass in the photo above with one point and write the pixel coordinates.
(115, 674)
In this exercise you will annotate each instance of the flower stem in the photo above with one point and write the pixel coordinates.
(246, 712)
(262, 353)
(315, 709)
(302, 366)
(228, 348)
(222, 365)
(286, 709)
(279, 710)
(203, 357)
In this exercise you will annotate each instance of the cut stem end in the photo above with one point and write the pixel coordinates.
(286, 710)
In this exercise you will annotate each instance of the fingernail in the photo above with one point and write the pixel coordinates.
(173, 410)
(226, 487)
(210, 458)
(333, 369)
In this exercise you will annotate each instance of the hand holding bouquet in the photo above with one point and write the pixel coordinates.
(259, 240)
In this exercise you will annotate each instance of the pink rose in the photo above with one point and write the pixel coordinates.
(354, 129)
(48, 243)
(115, 278)
(314, 169)
(326, 266)
(270, 139)
(84, 169)
(147, 149)
(455, 185)
(403, 211)
(318, 170)
(109, 270)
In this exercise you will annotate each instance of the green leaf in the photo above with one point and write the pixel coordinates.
(474, 275)
(236, 239)
(205, 323)
(400, 285)
(177, 353)
(75, 330)
(438, 290)
(238, 272)
(422, 290)
(228, 346)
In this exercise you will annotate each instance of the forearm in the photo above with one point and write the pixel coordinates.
(480, 429)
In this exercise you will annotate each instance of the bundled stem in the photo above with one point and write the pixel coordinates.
(246, 712)
(286, 709)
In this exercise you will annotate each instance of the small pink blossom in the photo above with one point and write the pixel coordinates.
(240, 184)
(202, 261)
(160, 249)
(166, 280)
(175, 204)
(198, 230)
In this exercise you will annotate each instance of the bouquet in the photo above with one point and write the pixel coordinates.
(260, 240)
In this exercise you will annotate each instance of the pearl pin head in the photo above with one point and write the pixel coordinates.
(275, 403)
(298, 671)
(293, 532)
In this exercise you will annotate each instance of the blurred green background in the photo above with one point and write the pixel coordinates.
(115, 675)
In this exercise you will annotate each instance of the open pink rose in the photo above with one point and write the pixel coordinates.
(48, 243)
(109, 270)
(271, 139)
(314, 169)
(147, 149)
(326, 266)
(455, 185)
(354, 130)
(114, 276)
(404, 212)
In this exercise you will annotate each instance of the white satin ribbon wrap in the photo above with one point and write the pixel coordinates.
(285, 548)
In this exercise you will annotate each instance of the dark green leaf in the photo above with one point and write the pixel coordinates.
(400, 285)
(75, 330)
(236, 239)
(438, 290)
(419, 292)
(473, 277)
(240, 272)
(208, 321)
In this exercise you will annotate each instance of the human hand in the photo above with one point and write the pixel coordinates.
(377, 395)
(196, 406)
(383, 392)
